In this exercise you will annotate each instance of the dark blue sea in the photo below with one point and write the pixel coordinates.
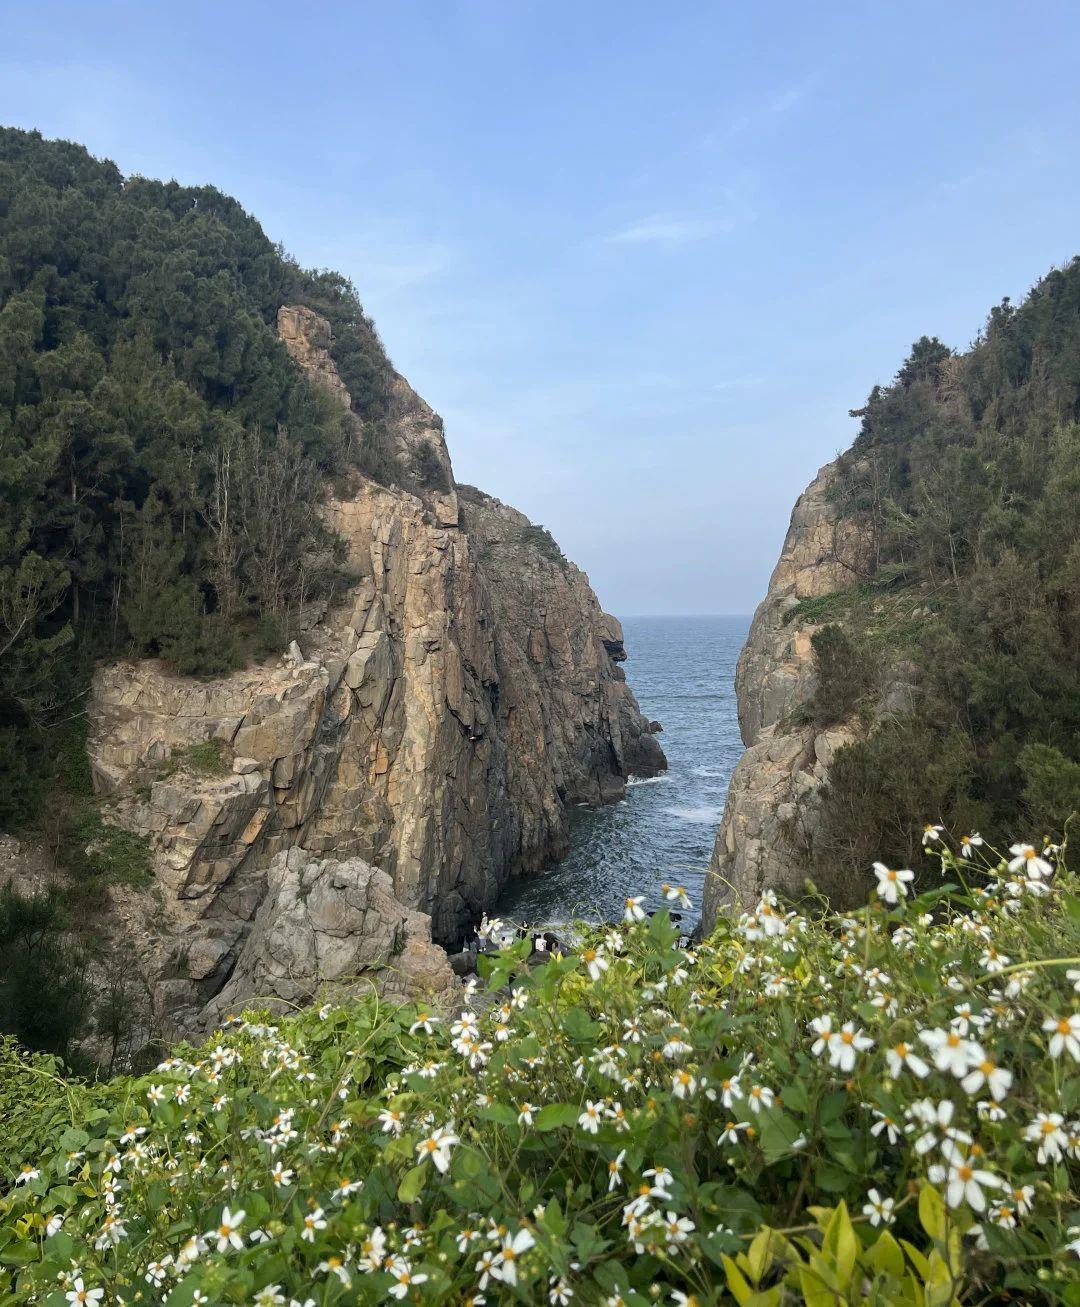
(682, 671)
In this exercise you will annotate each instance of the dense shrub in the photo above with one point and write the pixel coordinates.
(870, 1109)
(843, 674)
(428, 468)
(874, 792)
(43, 994)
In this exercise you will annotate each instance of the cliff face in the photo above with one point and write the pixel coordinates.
(433, 725)
(770, 814)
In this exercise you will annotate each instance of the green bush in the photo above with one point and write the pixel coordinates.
(870, 1109)
(540, 539)
(1051, 786)
(97, 850)
(207, 758)
(428, 468)
(874, 792)
(43, 994)
(165, 459)
(843, 675)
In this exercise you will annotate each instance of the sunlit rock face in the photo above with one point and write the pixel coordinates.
(434, 725)
(771, 809)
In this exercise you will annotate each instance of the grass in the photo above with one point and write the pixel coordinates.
(880, 615)
(207, 758)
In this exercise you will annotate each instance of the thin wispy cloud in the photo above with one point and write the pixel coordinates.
(781, 103)
(788, 99)
(671, 229)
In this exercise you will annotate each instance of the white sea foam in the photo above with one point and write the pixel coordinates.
(649, 780)
(703, 814)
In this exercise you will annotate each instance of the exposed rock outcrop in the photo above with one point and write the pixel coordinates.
(434, 725)
(328, 929)
(770, 812)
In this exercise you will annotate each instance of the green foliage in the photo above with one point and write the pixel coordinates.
(844, 674)
(377, 457)
(209, 758)
(36, 1101)
(428, 468)
(966, 472)
(631, 1123)
(162, 459)
(1051, 786)
(97, 850)
(875, 790)
(540, 539)
(832, 1266)
(43, 997)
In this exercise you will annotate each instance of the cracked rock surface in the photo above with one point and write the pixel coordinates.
(418, 744)
(771, 807)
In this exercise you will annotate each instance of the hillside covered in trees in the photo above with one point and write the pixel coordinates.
(160, 455)
(966, 473)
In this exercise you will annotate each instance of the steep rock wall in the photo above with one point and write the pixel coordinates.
(435, 725)
(770, 813)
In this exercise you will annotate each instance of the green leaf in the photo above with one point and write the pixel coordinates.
(21, 1253)
(884, 1255)
(832, 1179)
(795, 1097)
(932, 1212)
(556, 1114)
(498, 1112)
(759, 1255)
(553, 1219)
(580, 1026)
(778, 1132)
(841, 1242)
(412, 1184)
(736, 1282)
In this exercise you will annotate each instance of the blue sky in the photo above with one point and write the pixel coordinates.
(642, 257)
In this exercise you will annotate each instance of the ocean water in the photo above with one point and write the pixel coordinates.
(682, 671)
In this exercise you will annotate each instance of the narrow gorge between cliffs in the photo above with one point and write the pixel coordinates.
(681, 671)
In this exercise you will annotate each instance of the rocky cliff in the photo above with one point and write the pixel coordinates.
(417, 746)
(769, 817)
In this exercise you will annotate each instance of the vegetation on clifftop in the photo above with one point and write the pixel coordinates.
(161, 456)
(967, 473)
(873, 1109)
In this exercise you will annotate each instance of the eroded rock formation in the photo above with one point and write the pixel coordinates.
(433, 725)
(770, 812)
